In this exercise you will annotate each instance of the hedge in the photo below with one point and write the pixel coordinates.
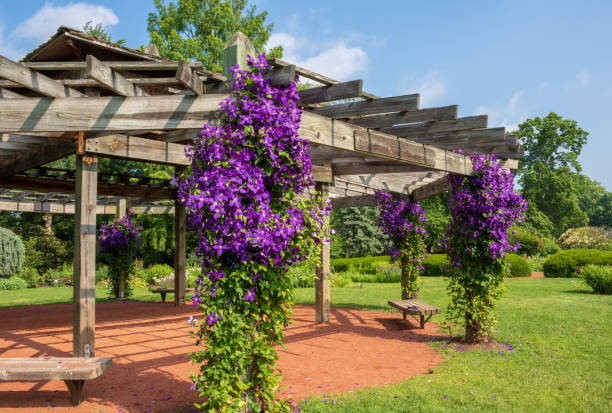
(519, 266)
(434, 265)
(598, 277)
(366, 265)
(13, 283)
(566, 263)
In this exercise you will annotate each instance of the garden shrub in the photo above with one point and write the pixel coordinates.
(366, 265)
(566, 263)
(583, 238)
(101, 272)
(519, 266)
(31, 276)
(340, 280)
(157, 271)
(46, 252)
(549, 247)
(598, 277)
(302, 275)
(530, 244)
(435, 265)
(12, 253)
(13, 283)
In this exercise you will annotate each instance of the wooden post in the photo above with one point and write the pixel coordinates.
(84, 281)
(121, 208)
(235, 52)
(322, 292)
(180, 252)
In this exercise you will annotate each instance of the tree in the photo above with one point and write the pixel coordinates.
(199, 29)
(357, 231)
(552, 146)
(438, 217)
(594, 200)
(100, 32)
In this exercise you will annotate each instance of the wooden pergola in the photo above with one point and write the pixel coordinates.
(76, 94)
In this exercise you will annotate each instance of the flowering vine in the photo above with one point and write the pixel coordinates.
(118, 244)
(405, 225)
(483, 206)
(241, 194)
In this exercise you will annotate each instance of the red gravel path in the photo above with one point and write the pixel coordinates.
(149, 342)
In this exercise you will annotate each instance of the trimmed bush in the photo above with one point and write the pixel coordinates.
(12, 253)
(566, 263)
(519, 266)
(366, 265)
(598, 277)
(530, 243)
(13, 283)
(584, 237)
(435, 265)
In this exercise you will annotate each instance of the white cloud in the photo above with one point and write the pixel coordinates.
(583, 78)
(335, 59)
(45, 22)
(430, 87)
(509, 114)
(7, 50)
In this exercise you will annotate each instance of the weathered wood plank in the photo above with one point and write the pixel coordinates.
(415, 307)
(431, 189)
(84, 280)
(35, 81)
(186, 76)
(114, 113)
(111, 79)
(364, 168)
(369, 107)
(51, 207)
(7, 94)
(353, 201)
(422, 115)
(129, 147)
(420, 128)
(322, 173)
(330, 93)
(323, 273)
(59, 368)
(135, 65)
(180, 252)
(37, 158)
(465, 136)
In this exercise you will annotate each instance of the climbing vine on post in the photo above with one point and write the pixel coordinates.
(118, 244)
(405, 225)
(483, 206)
(241, 194)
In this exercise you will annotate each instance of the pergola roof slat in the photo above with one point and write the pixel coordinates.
(421, 115)
(368, 107)
(419, 128)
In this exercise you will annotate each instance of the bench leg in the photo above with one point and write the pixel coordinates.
(163, 296)
(76, 390)
(404, 314)
(422, 322)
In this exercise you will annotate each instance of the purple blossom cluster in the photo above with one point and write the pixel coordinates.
(483, 207)
(121, 236)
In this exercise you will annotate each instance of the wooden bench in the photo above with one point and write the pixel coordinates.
(73, 370)
(415, 307)
(164, 291)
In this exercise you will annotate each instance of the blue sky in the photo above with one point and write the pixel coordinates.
(509, 59)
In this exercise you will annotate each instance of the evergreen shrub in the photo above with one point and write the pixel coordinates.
(12, 253)
(519, 266)
(598, 277)
(567, 263)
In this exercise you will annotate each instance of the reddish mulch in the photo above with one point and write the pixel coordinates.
(149, 342)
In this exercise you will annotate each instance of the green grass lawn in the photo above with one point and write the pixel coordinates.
(562, 360)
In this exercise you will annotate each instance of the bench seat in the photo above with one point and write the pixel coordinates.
(415, 307)
(163, 291)
(73, 370)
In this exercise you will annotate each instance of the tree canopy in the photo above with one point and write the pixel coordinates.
(199, 29)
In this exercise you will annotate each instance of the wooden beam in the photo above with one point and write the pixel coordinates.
(114, 113)
(431, 189)
(180, 252)
(111, 79)
(235, 52)
(84, 280)
(465, 136)
(186, 76)
(51, 207)
(7, 94)
(121, 208)
(420, 128)
(35, 81)
(322, 173)
(129, 147)
(369, 107)
(322, 287)
(422, 115)
(330, 93)
(360, 168)
(49, 153)
(353, 201)
(135, 65)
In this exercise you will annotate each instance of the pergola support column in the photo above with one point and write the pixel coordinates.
(84, 281)
(322, 289)
(121, 208)
(180, 252)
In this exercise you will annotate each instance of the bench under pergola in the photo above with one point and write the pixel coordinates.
(78, 95)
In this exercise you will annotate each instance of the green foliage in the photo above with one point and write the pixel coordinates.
(302, 275)
(11, 253)
(157, 239)
(46, 252)
(31, 276)
(157, 271)
(357, 232)
(13, 283)
(435, 265)
(199, 29)
(519, 266)
(567, 263)
(438, 216)
(366, 265)
(530, 244)
(594, 200)
(598, 277)
(549, 246)
(100, 32)
(585, 238)
(536, 222)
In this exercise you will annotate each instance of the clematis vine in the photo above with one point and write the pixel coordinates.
(405, 225)
(246, 199)
(483, 206)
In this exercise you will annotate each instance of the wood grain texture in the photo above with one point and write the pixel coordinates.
(180, 251)
(134, 65)
(84, 280)
(111, 79)
(57, 368)
(51, 207)
(368, 107)
(420, 128)
(139, 149)
(330, 93)
(35, 158)
(322, 287)
(353, 201)
(186, 76)
(34, 80)
(422, 115)
(431, 189)
(8, 94)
